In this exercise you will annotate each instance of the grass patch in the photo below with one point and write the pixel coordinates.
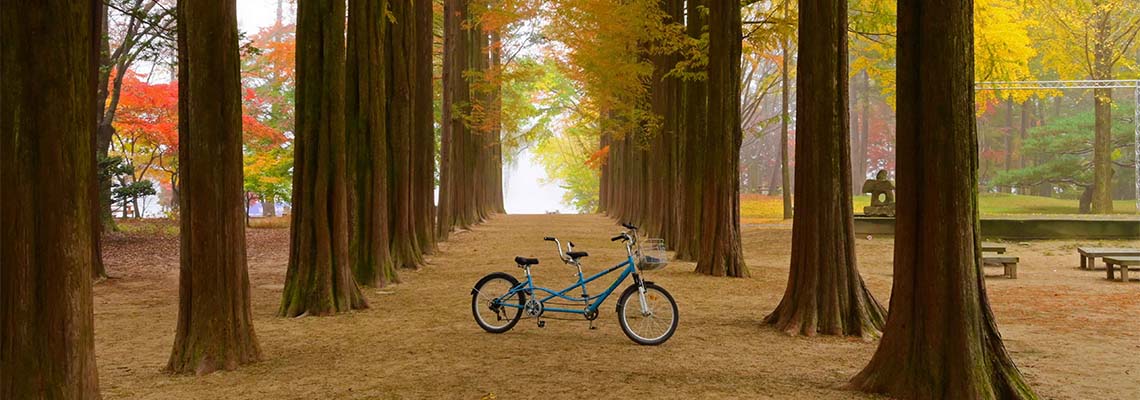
(281, 222)
(762, 209)
(147, 226)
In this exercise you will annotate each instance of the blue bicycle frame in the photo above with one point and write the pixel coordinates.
(591, 302)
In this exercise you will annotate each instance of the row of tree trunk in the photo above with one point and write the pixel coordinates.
(363, 179)
(940, 339)
(679, 180)
(471, 169)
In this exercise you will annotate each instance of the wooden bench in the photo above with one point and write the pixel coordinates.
(1124, 263)
(1008, 262)
(1090, 254)
(993, 248)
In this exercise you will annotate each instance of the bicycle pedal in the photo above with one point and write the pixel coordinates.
(541, 324)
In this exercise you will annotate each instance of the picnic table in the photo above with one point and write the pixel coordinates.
(1124, 263)
(1007, 262)
(1090, 254)
(993, 248)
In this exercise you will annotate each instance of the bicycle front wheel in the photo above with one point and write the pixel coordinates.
(652, 322)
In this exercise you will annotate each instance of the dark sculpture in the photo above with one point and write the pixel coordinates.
(882, 192)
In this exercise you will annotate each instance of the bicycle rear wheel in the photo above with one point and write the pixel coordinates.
(488, 302)
(656, 323)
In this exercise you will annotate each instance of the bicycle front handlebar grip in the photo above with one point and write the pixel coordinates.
(628, 225)
(548, 238)
(615, 238)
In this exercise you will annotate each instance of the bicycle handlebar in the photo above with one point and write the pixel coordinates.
(549, 238)
(628, 225)
(621, 236)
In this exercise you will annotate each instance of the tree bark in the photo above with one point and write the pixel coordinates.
(101, 218)
(424, 140)
(720, 253)
(47, 174)
(466, 157)
(366, 111)
(1102, 141)
(825, 293)
(785, 119)
(864, 134)
(215, 325)
(1009, 143)
(690, 165)
(318, 280)
(941, 340)
(405, 249)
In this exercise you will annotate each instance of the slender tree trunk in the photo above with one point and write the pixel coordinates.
(1102, 142)
(720, 253)
(864, 133)
(941, 340)
(47, 338)
(215, 326)
(319, 280)
(104, 131)
(691, 156)
(825, 293)
(604, 176)
(402, 129)
(101, 217)
(451, 73)
(856, 96)
(774, 178)
(466, 162)
(366, 111)
(424, 139)
(785, 119)
(1009, 134)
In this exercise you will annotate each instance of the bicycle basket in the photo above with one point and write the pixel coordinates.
(651, 255)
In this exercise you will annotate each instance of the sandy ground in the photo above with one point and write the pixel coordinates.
(1074, 334)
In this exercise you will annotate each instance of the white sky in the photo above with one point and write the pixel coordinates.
(523, 192)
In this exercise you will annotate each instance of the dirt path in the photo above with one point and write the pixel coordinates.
(1074, 334)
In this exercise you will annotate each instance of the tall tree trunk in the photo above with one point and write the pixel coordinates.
(451, 78)
(660, 195)
(104, 131)
(101, 217)
(1009, 134)
(215, 327)
(424, 139)
(774, 178)
(856, 97)
(47, 333)
(691, 157)
(785, 119)
(366, 111)
(720, 253)
(1102, 142)
(465, 162)
(941, 340)
(318, 280)
(825, 293)
(401, 128)
(864, 133)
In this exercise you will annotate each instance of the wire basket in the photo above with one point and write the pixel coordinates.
(651, 255)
